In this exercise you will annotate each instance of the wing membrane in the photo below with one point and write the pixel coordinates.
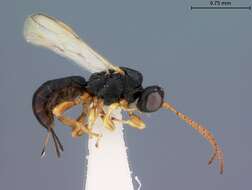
(48, 32)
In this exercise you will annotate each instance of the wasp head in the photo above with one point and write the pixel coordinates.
(151, 99)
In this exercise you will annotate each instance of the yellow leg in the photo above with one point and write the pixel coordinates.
(77, 127)
(86, 100)
(217, 152)
(135, 121)
(108, 123)
(93, 113)
(123, 104)
(61, 108)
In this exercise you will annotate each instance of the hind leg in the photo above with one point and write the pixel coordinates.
(75, 124)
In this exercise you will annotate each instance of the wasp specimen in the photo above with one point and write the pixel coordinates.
(109, 85)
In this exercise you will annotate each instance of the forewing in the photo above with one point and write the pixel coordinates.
(48, 32)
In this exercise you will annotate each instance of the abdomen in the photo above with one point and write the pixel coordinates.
(53, 92)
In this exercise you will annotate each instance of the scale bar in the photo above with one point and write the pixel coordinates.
(219, 7)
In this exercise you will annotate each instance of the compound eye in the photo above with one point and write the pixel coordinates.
(151, 99)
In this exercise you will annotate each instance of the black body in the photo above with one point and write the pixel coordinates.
(112, 87)
(109, 86)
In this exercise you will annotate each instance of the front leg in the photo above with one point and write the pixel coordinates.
(134, 121)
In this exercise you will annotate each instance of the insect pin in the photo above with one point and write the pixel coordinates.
(109, 85)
